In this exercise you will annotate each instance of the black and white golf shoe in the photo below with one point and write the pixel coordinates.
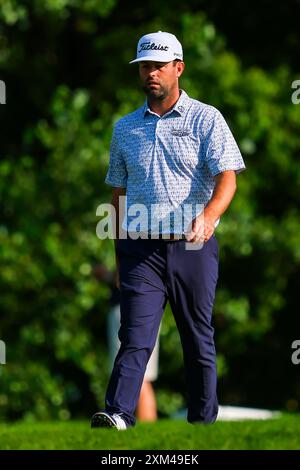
(103, 419)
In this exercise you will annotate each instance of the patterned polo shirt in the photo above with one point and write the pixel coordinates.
(167, 163)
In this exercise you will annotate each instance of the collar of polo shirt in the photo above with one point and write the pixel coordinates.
(179, 106)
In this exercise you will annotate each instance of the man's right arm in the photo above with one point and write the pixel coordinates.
(118, 203)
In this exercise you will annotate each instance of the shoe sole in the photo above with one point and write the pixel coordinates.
(102, 421)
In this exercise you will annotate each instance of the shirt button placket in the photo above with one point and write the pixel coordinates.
(156, 129)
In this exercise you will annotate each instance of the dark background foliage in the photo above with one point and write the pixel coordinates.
(65, 66)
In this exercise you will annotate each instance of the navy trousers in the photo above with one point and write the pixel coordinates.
(151, 273)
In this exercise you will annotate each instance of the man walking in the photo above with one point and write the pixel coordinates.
(173, 155)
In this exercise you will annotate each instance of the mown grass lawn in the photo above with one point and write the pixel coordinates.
(281, 433)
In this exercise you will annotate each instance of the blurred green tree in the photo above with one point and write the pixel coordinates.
(65, 66)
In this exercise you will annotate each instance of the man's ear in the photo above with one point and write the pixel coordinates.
(179, 68)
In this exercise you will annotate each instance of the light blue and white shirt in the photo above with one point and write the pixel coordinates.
(168, 163)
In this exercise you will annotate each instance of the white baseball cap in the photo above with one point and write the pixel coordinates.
(159, 47)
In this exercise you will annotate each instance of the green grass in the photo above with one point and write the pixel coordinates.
(282, 433)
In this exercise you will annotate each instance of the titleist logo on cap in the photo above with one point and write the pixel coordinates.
(160, 46)
(146, 46)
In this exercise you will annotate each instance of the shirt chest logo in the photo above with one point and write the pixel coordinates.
(180, 131)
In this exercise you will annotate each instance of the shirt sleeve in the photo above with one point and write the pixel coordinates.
(222, 152)
(117, 173)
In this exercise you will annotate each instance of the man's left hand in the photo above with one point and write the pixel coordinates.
(202, 228)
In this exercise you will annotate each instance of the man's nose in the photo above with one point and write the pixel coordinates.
(152, 72)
